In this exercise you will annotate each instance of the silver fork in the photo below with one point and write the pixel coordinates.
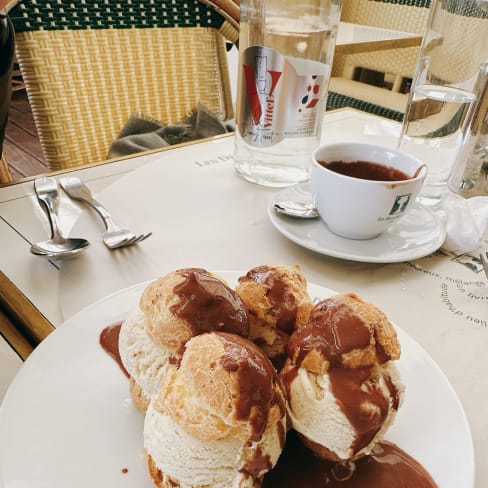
(484, 262)
(114, 236)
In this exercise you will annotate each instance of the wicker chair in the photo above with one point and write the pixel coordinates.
(404, 15)
(466, 49)
(467, 46)
(88, 65)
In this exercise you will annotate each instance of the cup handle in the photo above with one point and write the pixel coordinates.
(419, 169)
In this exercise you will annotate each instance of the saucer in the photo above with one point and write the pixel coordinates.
(417, 234)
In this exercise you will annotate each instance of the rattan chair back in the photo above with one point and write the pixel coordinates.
(87, 65)
(458, 57)
(396, 64)
(403, 15)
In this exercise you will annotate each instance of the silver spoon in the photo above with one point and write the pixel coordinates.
(293, 208)
(59, 246)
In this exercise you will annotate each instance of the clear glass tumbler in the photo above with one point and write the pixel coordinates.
(444, 88)
(472, 159)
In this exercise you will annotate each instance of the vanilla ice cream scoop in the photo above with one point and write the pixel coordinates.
(343, 388)
(219, 420)
(172, 309)
(145, 361)
(278, 303)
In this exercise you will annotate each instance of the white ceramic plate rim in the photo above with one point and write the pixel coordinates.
(72, 423)
(354, 250)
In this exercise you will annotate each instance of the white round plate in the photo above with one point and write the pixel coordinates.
(417, 234)
(67, 419)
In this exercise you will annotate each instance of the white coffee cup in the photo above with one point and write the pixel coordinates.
(360, 208)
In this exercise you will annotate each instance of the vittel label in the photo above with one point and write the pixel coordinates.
(279, 97)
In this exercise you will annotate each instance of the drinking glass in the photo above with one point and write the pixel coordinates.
(443, 89)
(473, 155)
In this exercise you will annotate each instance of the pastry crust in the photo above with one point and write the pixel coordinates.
(342, 385)
(164, 328)
(140, 399)
(223, 408)
(160, 300)
(222, 388)
(172, 309)
(203, 396)
(267, 327)
(382, 346)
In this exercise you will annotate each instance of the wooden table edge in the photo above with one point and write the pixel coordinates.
(14, 338)
(31, 325)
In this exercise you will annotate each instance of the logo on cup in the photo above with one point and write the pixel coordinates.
(400, 204)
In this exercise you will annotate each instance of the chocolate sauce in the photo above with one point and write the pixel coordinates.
(353, 390)
(394, 394)
(258, 463)
(109, 340)
(333, 329)
(257, 381)
(388, 466)
(381, 353)
(283, 302)
(208, 304)
(366, 170)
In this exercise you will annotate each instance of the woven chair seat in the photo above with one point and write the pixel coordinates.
(89, 65)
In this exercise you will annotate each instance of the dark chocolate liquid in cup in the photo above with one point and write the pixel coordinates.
(366, 170)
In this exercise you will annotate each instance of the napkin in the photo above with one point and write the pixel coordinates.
(466, 223)
(142, 133)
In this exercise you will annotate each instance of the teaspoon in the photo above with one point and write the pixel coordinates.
(296, 209)
(59, 246)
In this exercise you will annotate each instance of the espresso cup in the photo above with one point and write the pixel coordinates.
(361, 189)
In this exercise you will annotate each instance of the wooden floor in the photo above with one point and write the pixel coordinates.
(21, 145)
